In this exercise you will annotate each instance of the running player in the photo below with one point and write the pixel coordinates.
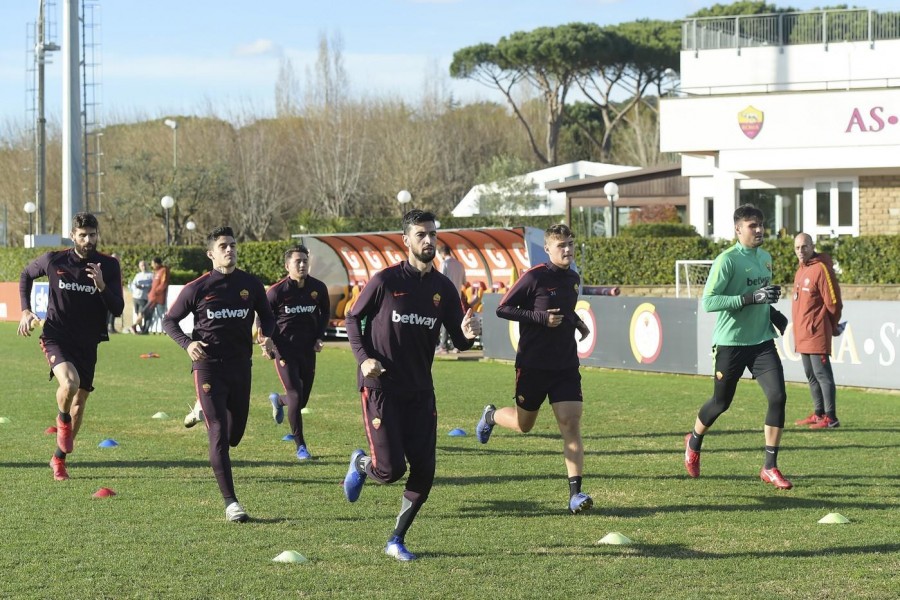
(393, 329)
(85, 286)
(224, 303)
(543, 302)
(740, 290)
(302, 307)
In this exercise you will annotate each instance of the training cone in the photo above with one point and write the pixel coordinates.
(289, 556)
(160, 415)
(104, 493)
(50, 430)
(109, 443)
(304, 411)
(834, 518)
(150, 355)
(457, 433)
(615, 538)
(288, 438)
(4, 419)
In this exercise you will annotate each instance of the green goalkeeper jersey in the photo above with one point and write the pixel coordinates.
(735, 272)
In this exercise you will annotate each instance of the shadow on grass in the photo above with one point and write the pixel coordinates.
(680, 551)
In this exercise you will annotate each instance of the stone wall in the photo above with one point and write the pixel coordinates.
(879, 205)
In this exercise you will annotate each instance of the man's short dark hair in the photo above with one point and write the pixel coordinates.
(559, 230)
(216, 233)
(156, 260)
(445, 250)
(745, 212)
(295, 248)
(84, 220)
(416, 217)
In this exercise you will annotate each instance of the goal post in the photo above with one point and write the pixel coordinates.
(690, 277)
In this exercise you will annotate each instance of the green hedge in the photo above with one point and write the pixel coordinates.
(602, 261)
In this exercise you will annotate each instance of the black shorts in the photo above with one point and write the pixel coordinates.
(533, 386)
(758, 359)
(83, 357)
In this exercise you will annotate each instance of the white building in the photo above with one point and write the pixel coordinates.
(782, 112)
(552, 202)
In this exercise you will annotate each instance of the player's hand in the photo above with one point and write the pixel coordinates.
(471, 325)
(583, 329)
(371, 368)
(318, 345)
(25, 323)
(197, 350)
(765, 295)
(267, 346)
(840, 328)
(554, 319)
(94, 272)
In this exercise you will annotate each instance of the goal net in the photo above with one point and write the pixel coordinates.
(690, 277)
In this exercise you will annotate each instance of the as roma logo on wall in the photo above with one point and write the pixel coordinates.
(751, 121)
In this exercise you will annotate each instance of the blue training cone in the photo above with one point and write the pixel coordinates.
(109, 443)
(288, 438)
(457, 432)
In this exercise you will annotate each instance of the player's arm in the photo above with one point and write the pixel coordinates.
(366, 306)
(183, 306)
(463, 329)
(518, 296)
(264, 313)
(582, 327)
(36, 268)
(112, 286)
(324, 315)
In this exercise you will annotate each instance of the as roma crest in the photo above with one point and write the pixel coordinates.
(376, 422)
(751, 121)
(245, 294)
(206, 387)
(436, 299)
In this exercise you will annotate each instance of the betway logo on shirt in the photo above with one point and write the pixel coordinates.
(227, 313)
(757, 281)
(413, 319)
(77, 287)
(296, 310)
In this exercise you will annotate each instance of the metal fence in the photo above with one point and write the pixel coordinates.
(784, 29)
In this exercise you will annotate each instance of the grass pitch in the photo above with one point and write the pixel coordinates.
(495, 525)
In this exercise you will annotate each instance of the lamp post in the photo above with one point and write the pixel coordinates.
(611, 189)
(173, 125)
(167, 202)
(29, 208)
(190, 226)
(403, 197)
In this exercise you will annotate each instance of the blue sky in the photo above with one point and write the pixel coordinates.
(176, 57)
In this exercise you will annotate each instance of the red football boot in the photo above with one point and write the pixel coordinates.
(826, 422)
(810, 420)
(59, 469)
(64, 436)
(691, 458)
(775, 477)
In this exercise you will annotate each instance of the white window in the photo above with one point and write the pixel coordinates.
(831, 207)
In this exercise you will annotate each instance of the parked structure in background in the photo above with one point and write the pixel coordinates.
(795, 113)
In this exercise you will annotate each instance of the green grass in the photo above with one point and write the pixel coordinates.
(495, 525)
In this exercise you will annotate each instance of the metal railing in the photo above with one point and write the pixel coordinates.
(785, 29)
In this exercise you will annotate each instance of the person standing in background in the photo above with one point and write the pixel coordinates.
(455, 272)
(816, 312)
(158, 296)
(140, 290)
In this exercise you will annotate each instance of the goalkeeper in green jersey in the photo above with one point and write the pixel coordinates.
(740, 291)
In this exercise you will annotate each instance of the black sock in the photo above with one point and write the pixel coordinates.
(574, 485)
(771, 457)
(60, 454)
(361, 463)
(696, 441)
(489, 417)
(229, 500)
(65, 417)
(409, 508)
